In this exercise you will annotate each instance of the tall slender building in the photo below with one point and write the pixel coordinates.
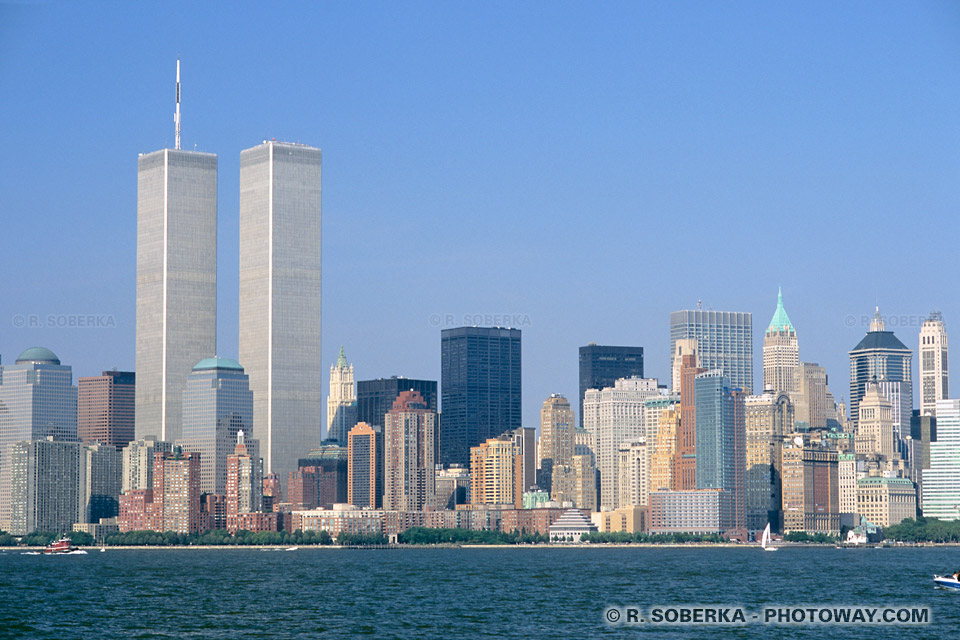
(376, 397)
(365, 466)
(882, 356)
(768, 417)
(176, 278)
(684, 474)
(409, 470)
(721, 441)
(556, 436)
(342, 401)
(479, 386)
(934, 372)
(601, 366)
(280, 299)
(781, 354)
(724, 342)
(941, 480)
(105, 408)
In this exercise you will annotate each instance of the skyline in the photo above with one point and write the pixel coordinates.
(429, 150)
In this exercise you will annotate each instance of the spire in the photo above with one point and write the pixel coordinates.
(780, 321)
(877, 323)
(342, 360)
(176, 114)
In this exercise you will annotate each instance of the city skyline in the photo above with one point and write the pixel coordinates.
(370, 193)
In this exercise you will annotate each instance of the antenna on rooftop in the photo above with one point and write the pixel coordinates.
(176, 114)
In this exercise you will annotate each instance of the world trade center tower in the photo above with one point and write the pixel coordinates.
(280, 299)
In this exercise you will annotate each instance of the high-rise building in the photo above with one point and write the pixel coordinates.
(556, 436)
(176, 492)
(923, 432)
(811, 496)
(39, 401)
(681, 347)
(615, 415)
(105, 408)
(176, 281)
(875, 424)
(664, 454)
(781, 354)
(329, 466)
(409, 468)
(479, 386)
(496, 472)
(342, 401)
(376, 397)
(847, 488)
(244, 481)
(101, 468)
(768, 418)
(934, 372)
(725, 342)
(280, 299)
(217, 405)
(44, 486)
(811, 404)
(881, 356)
(576, 482)
(138, 462)
(634, 468)
(721, 440)
(365, 466)
(601, 366)
(525, 439)
(941, 480)
(684, 475)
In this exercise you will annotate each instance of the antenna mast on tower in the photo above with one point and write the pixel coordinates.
(176, 114)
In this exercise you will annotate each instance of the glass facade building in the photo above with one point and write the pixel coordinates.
(176, 281)
(721, 440)
(880, 355)
(105, 408)
(375, 397)
(601, 366)
(940, 486)
(725, 342)
(479, 386)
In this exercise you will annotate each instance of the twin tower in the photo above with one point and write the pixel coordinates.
(279, 290)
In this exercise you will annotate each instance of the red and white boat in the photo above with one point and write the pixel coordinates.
(63, 546)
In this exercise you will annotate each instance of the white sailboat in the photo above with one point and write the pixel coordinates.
(765, 540)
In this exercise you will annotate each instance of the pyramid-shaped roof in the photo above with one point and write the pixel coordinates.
(780, 320)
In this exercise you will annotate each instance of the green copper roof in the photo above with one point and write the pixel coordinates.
(217, 363)
(342, 360)
(780, 321)
(38, 355)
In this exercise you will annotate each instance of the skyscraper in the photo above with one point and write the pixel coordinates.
(217, 405)
(556, 436)
(365, 466)
(781, 354)
(138, 462)
(480, 388)
(496, 472)
(409, 468)
(376, 397)
(44, 486)
(244, 488)
(101, 469)
(106, 409)
(684, 474)
(176, 281)
(768, 417)
(941, 481)
(881, 356)
(601, 366)
(721, 440)
(342, 401)
(38, 401)
(934, 372)
(280, 299)
(725, 342)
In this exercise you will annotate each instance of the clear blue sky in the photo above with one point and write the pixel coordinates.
(588, 167)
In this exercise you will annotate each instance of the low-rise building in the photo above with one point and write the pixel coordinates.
(625, 519)
(886, 501)
(700, 511)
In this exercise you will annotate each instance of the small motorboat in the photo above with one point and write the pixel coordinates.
(947, 582)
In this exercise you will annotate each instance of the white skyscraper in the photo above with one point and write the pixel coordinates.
(176, 279)
(934, 373)
(941, 482)
(280, 299)
(342, 401)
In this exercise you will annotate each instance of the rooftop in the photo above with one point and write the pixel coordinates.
(780, 321)
(38, 355)
(217, 363)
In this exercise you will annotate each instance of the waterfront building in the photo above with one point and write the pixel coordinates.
(875, 433)
(176, 281)
(576, 482)
(724, 342)
(601, 366)
(571, 526)
(767, 418)
(342, 401)
(941, 479)
(39, 401)
(280, 298)
(700, 511)
(244, 487)
(630, 519)
(453, 487)
(45, 482)
(137, 458)
(105, 408)
(886, 501)
(810, 481)
(341, 518)
(721, 440)
(496, 472)
(556, 437)
(364, 466)
(217, 405)
(376, 397)
(934, 370)
(781, 354)
(101, 470)
(480, 388)
(409, 482)
(176, 492)
(881, 357)
(633, 466)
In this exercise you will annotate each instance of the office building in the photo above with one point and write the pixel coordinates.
(684, 475)
(886, 501)
(721, 440)
(633, 465)
(280, 299)
(810, 480)
(556, 436)
(941, 480)
(663, 456)
(880, 356)
(176, 281)
(479, 386)
(376, 397)
(934, 370)
(768, 417)
(699, 511)
(101, 470)
(105, 408)
(601, 366)
(409, 464)
(576, 482)
(875, 424)
(39, 401)
(725, 342)
(681, 347)
(328, 466)
(342, 401)
(781, 354)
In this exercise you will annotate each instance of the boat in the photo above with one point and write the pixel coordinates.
(765, 540)
(291, 549)
(103, 549)
(947, 582)
(63, 546)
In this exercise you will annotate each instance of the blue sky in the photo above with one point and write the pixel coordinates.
(584, 168)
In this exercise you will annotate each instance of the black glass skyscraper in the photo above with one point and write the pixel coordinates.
(479, 386)
(375, 397)
(601, 366)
